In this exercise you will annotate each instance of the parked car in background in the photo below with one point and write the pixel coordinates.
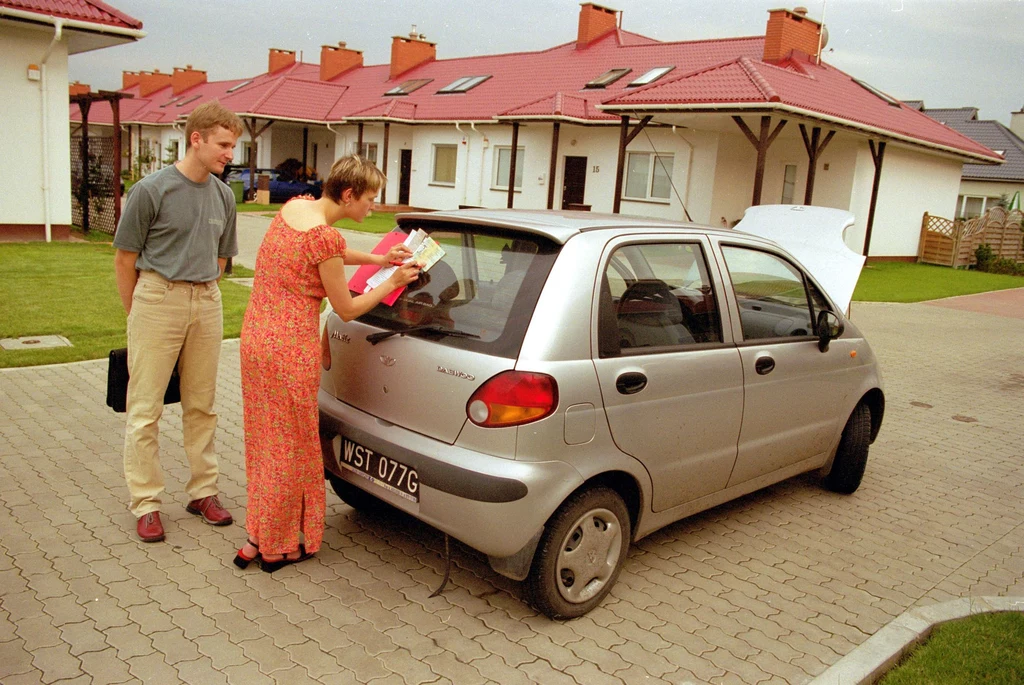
(562, 384)
(282, 188)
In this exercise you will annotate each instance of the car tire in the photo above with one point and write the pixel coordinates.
(356, 498)
(580, 556)
(852, 454)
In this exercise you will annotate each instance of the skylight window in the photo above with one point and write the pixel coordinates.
(464, 84)
(172, 100)
(409, 86)
(185, 102)
(650, 77)
(239, 86)
(893, 102)
(607, 78)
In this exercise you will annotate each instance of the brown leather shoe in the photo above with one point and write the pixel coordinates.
(211, 511)
(149, 527)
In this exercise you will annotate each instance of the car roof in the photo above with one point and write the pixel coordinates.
(558, 225)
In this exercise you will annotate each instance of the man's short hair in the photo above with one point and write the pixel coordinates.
(353, 172)
(208, 116)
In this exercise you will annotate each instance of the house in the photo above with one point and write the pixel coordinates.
(612, 121)
(38, 36)
(983, 186)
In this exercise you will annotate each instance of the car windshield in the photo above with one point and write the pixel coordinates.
(481, 293)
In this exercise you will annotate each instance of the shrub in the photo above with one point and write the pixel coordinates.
(984, 256)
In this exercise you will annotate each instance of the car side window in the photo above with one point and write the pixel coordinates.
(656, 296)
(772, 294)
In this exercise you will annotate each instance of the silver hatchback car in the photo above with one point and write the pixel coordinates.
(561, 384)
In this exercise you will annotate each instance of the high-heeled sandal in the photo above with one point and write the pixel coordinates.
(271, 566)
(242, 561)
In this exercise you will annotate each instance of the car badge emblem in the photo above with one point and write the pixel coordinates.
(387, 361)
(343, 337)
(455, 372)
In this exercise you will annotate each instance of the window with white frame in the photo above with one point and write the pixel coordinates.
(445, 158)
(503, 162)
(369, 152)
(973, 206)
(648, 176)
(789, 184)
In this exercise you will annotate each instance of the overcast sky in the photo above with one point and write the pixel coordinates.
(949, 53)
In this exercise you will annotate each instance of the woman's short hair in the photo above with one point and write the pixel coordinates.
(208, 116)
(353, 172)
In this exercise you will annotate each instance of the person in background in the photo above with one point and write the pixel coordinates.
(175, 236)
(301, 260)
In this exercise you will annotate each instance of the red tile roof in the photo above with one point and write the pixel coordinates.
(92, 11)
(550, 84)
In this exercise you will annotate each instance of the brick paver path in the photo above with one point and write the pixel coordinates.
(772, 588)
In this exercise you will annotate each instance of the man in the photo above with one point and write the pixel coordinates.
(173, 242)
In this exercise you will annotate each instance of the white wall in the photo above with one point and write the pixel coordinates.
(21, 147)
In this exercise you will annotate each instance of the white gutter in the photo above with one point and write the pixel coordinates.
(484, 142)
(770, 107)
(58, 30)
(71, 23)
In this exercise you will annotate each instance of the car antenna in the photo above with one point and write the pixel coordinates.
(657, 159)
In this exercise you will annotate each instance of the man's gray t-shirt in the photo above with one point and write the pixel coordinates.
(179, 227)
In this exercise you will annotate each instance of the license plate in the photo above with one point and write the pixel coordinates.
(381, 470)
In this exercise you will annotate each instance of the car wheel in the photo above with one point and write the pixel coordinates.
(356, 498)
(579, 558)
(852, 454)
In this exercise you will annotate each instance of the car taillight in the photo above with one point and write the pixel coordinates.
(513, 398)
(325, 350)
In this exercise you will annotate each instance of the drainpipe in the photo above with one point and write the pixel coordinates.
(689, 173)
(344, 142)
(465, 183)
(483, 150)
(58, 30)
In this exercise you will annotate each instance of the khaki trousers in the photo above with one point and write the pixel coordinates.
(171, 322)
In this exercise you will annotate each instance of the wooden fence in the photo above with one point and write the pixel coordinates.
(952, 243)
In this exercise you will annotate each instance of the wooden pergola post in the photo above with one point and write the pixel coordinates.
(250, 126)
(877, 156)
(387, 135)
(813, 153)
(761, 143)
(512, 163)
(553, 167)
(625, 138)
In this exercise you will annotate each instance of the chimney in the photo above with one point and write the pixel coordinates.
(152, 81)
(788, 31)
(595, 22)
(129, 79)
(279, 59)
(1017, 122)
(337, 60)
(77, 88)
(409, 52)
(183, 79)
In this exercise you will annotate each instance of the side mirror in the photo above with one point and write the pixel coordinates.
(829, 327)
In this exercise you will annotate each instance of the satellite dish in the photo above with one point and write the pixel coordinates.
(824, 36)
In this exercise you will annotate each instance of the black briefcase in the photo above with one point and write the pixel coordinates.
(117, 382)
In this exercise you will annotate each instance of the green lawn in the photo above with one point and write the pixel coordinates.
(904, 282)
(69, 289)
(986, 648)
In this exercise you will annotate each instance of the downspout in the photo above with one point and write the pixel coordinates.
(483, 148)
(465, 184)
(344, 142)
(689, 172)
(58, 30)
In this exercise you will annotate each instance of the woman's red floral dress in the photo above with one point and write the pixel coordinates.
(280, 351)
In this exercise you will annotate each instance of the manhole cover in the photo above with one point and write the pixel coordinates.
(35, 342)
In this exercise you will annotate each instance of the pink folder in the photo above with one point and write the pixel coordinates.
(357, 284)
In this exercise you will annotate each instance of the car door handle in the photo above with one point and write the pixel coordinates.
(630, 383)
(764, 365)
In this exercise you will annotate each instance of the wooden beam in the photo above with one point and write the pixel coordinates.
(625, 137)
(250, 126)
(553, 167)
(387, 137)
(512, 163)
(115, 108)
(877, 156)
(814, 151)
(762, 142)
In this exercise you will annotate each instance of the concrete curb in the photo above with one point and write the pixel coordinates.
(879, 653)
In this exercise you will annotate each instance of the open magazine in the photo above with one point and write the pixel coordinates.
(425, 250)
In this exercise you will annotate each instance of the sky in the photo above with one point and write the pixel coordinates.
(949, 53)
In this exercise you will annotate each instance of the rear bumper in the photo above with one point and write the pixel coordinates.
(495, 505)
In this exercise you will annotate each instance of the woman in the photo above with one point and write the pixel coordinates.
(301, 260)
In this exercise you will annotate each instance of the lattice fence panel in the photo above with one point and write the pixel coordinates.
(953, 243)
(92, 203)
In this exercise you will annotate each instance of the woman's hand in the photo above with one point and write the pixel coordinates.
(397, 254)
(405, 274)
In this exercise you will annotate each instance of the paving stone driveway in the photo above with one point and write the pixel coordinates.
(772, 588)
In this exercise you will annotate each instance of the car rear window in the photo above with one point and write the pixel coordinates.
(481, 294)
